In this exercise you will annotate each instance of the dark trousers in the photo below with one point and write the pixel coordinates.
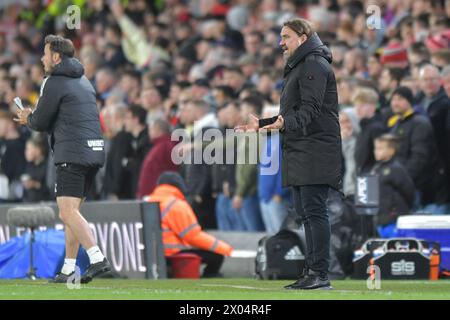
(310, 203)
(213, 261)
(205, 212)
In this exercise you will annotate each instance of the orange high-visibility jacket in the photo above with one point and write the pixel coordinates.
(180, 228)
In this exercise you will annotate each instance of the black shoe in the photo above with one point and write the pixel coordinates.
(96, 270)
(61, 278)
(299, 280)
(311, 282)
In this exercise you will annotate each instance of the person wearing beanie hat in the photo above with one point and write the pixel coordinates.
(438, 41)
(394, 56)
(181, 230)
(405, 93)
(417, 149)
(174, 179)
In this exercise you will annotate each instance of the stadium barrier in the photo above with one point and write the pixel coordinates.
(128, 232)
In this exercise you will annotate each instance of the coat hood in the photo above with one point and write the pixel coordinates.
(69, 67)
(312, 46)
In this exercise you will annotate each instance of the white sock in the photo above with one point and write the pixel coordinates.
(95, 255)
(69, 266)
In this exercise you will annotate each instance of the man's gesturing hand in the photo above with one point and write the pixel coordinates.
(251, 126)
(277, 125)
(22, 116)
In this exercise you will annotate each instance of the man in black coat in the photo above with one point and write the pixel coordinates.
(436, 103)
(310, 141)
(67, 111)
(417, 149)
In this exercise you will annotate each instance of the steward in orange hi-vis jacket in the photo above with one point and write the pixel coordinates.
(180, 229)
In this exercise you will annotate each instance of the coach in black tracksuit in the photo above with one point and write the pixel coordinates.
(310, 141)
(67, 111)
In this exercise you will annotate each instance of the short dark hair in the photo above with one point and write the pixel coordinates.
(60, 45)
(226, 90)
(300, 26)
(255, 102)
(397, 74)
(391, 140)
(138, 112)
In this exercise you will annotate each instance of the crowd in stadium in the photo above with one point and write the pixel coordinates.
(158, 66)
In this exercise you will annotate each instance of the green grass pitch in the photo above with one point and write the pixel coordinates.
(220, 289)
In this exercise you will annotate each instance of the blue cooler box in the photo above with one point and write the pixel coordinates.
(432, 228)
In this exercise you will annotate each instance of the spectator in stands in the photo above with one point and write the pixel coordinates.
(389, 80)
(233, 77)
(34, 177)
(366, 102)
(435, 102)
(114, 56)
(134, 121)
(130, 84)
(253, 42)
(151, 101)
(25, 91)
(223, 174)
(441, 58)
(105, 80)
(198, 176)
(374, 67)
(181, 231)
(91, 60)
(200, 89)
(134, 43)
(445, 75)
(249, 66)
(396, 186)
(345, 86)
(350, 130)
(12, 153)
(222, 95)
(158, 159)
(274, 200)
(118, 147)
(418, 53)
(417, 146)
(245, 200)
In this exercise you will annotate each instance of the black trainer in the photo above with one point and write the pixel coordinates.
(311, 282)
(96, 270)
(60, 278)
(299, 280)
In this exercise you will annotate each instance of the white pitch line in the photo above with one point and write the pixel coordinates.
(232, 286)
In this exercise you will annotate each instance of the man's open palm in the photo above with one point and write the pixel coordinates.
(251, 126)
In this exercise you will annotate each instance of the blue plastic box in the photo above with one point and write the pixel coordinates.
(432, 228)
